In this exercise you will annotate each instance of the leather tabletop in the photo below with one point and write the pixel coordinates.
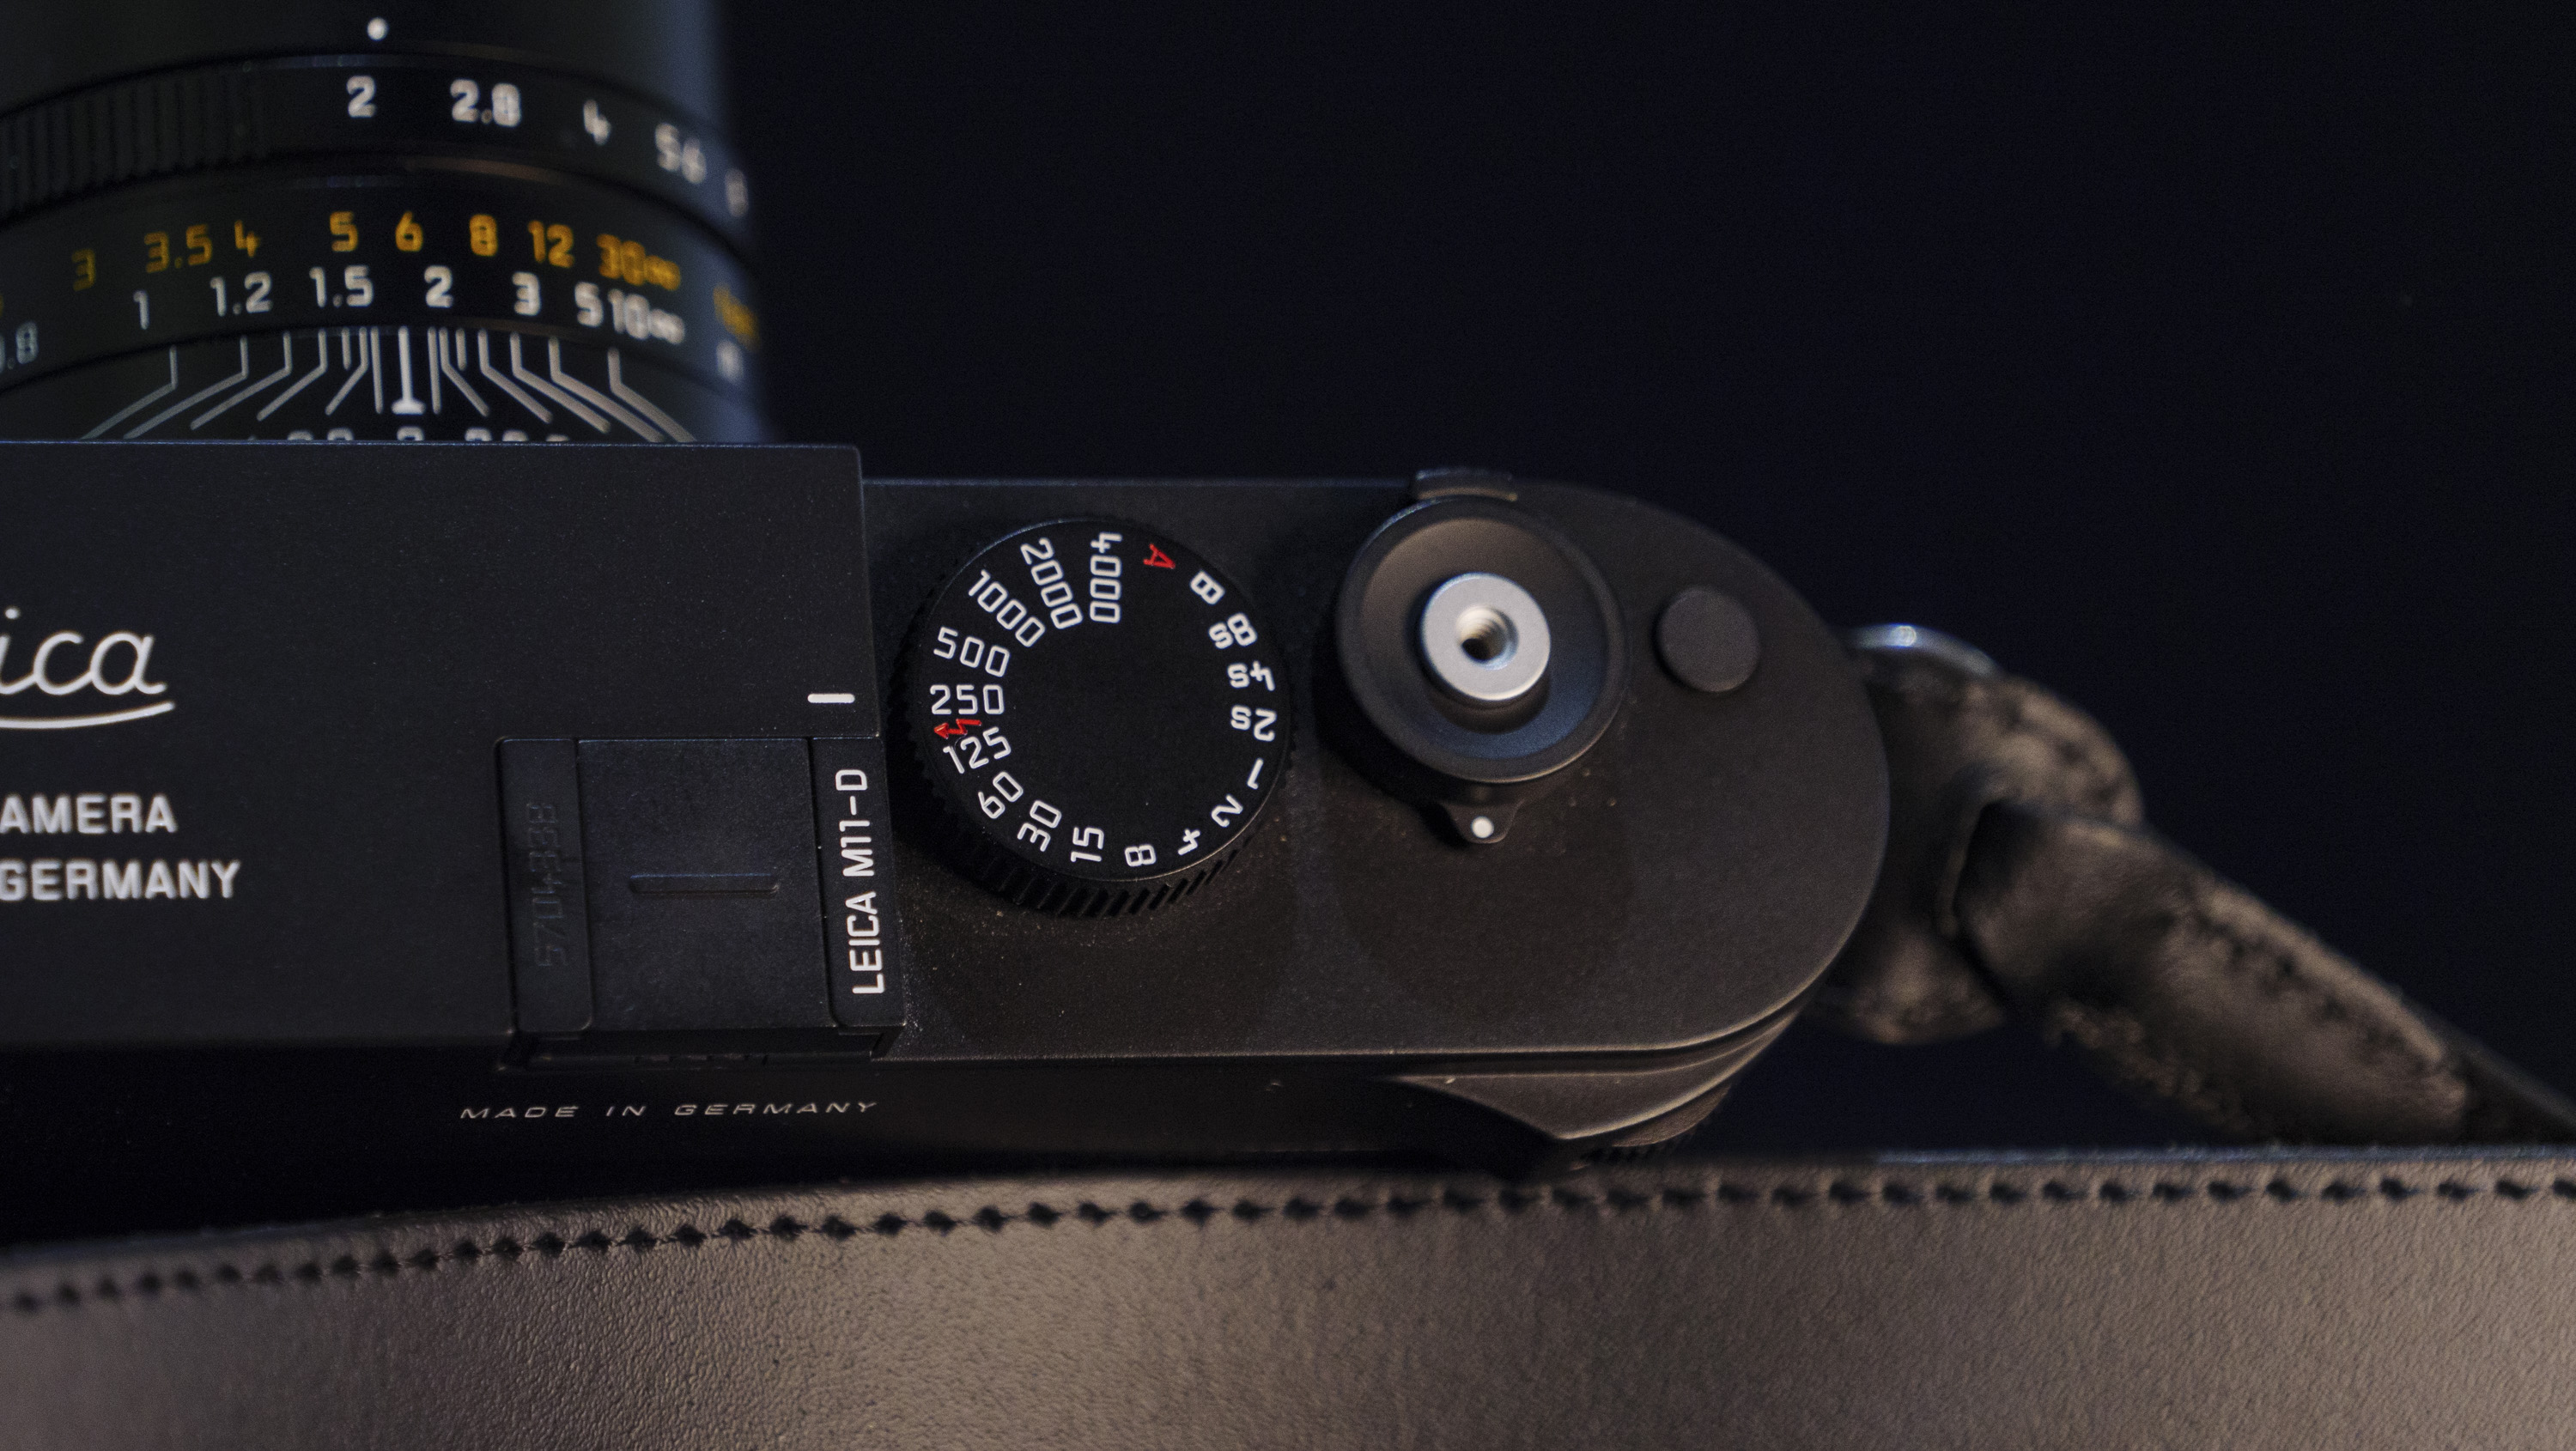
(2203, 1299)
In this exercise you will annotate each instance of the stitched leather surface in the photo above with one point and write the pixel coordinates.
(1956, 742)
(2186, 988)
(2020, 879)
(2246, 1301)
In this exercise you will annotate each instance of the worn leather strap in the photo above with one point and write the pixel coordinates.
(2021, 881)
(2250, 1300)
(2185, 988)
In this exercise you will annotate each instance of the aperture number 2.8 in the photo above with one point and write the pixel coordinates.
(465, 97)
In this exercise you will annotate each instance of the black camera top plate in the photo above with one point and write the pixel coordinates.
(1692, 879)
(339, 639)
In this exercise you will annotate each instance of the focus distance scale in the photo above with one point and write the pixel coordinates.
(1100, 714)
(347, 280)
(373, 246)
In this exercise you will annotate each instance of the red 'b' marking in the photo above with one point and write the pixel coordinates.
(1155, 558)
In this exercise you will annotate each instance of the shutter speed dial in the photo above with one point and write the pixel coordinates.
(1100, 714)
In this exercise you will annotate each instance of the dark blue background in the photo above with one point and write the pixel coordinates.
(2209, 364)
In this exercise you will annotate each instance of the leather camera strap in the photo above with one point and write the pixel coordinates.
(2021, 882)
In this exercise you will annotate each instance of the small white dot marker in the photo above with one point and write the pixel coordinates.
(13, 612)
(376, 28)
(1482, 826)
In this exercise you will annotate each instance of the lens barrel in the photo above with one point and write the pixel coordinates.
(372, 221)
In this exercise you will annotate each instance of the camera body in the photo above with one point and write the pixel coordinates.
(584, 805)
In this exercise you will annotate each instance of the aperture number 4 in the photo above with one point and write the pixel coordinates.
(1243, 677)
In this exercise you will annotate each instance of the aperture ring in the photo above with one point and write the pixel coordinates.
(340, 106)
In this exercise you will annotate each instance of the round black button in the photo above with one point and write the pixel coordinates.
(1707, 640)
(1100, 712)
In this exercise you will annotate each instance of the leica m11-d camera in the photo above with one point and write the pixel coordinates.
(411, 802)
(463, 804)
(410, 776)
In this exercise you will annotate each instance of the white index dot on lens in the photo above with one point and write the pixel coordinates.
(376, 28)
(1483, 826)
(12, 614)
